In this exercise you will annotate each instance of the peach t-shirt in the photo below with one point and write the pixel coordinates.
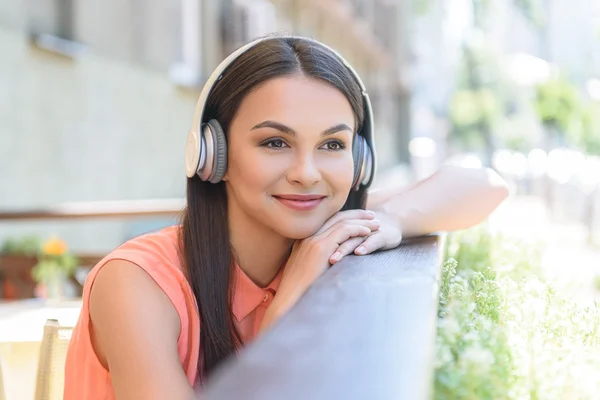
(158, 254)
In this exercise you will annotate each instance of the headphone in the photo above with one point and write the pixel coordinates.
(206, 148)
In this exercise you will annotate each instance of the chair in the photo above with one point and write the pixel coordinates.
(1, 385)
(53, 352)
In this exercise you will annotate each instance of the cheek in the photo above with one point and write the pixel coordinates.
(339, 173)
(251, 170)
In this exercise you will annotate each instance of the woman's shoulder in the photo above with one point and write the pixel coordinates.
(157, 254)
(143, 273)
(163, 244)
(159, 250)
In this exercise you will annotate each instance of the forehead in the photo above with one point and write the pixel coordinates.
(297, 100)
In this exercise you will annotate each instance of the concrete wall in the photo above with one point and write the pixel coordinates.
(84, 130)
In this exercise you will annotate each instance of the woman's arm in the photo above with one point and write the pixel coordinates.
(452, 198)
(135, 329)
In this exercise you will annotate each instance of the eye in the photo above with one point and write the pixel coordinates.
(274, 144)
(334, 145)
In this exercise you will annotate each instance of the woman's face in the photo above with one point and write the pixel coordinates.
(290, 162)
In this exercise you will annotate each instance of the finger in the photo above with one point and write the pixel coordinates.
(372, 224)
(344, 232)
(374, 242)
(346, 215)
(341, 235)
(346, 248)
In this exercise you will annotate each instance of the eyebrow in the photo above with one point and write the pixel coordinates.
(289, 131)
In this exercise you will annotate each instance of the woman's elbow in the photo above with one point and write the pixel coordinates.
(486, 198)
(496, 190)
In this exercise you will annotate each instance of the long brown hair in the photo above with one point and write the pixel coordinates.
(207, 250)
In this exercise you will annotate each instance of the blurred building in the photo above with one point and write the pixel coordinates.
(97, 96)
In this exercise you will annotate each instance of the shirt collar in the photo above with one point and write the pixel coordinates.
(248, 295)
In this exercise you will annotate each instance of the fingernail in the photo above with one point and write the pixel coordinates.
(371, 213)
(376, 221)
(336, 256)
(361, 250)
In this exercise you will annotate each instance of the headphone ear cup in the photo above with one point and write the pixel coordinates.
(193, 154)
(357, 157)
(220, 151)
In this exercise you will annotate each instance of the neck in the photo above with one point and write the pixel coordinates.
(258, 251)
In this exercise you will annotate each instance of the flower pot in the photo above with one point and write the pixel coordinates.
(15, 276)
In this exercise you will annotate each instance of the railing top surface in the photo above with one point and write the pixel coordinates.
(97, 209)
(365, 329)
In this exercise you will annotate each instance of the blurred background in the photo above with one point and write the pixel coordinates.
(97, 98)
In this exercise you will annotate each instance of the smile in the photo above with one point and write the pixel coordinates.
(300, 202)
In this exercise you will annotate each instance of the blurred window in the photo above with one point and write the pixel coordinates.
(252, 19)
(51, 17)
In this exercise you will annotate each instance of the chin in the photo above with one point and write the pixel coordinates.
(298, 231)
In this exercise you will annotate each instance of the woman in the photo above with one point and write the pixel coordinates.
(280, 203)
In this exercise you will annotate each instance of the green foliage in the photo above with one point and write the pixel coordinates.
(532, 10)
(54, 261)
(505, 333)
(51, 267)
(573, 122)
(516, 142)
(422, 7)
(483, 96)
(469, 107)
(557, 103)
(27, 246)
(472, 350)
(597, 283)
(586, 134)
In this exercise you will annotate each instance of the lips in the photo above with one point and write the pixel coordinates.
(300, 202)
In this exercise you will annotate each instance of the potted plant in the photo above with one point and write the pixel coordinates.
(55, 267)
(17, 257)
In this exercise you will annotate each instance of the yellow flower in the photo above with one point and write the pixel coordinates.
(55, 247)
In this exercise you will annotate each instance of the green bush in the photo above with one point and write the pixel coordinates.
(25, 246)
(504, 333)
(572, 121)
(557, 103)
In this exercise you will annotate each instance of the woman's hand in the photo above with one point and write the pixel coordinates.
(388, 236)
(310, 257)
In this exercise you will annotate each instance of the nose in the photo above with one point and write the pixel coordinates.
(304, 170)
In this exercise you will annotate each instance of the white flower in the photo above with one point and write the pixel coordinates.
(477, 357)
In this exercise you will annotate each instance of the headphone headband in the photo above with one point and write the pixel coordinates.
(367, 127)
